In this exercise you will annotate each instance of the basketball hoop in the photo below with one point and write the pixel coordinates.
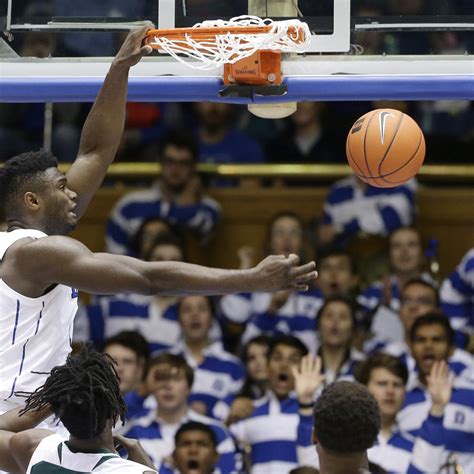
(248, 47)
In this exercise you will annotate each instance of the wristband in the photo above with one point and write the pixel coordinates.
(305, 405)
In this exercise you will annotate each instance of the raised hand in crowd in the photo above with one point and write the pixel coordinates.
(308, 379)
(440, 387)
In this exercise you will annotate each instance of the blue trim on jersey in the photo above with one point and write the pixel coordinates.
(23, 356)
(16, 321)
(39, 319)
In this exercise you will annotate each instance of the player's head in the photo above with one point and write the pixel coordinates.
(336, 322)
(406, 251)
(83, 393)
(385, 376)
(346, 423)
(417, 298)
(35, 193)
(195, 449)
(130, 352)
(285, 234)
(284, 352)
(431, 340)
(196, 315)
(337, 273)
(169, 378)
(178, 156)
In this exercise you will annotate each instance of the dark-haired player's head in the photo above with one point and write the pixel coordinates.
(385, 376)
(195, 449)
(336, 322)
(284, 353)
(178, 157)
(35, 193)
(169, 379)
(196, 316)
(417, 297)
(406, 252)
(431, 340)
(337, 273)
(83, 393)
(346, 424)
(130, 352)
(285, 234)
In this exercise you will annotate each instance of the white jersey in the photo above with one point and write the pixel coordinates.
(36, 333)
(53, 455)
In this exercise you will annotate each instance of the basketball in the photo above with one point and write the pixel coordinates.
(385, 148)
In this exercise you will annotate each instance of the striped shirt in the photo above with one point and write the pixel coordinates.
(137, 207)
(375, 211)
(157, 438)
(219, 374)
(296, 317)
(458, 421)
(271, 433)
(457, 298)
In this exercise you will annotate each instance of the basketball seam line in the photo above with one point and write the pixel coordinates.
(365, 146)
(390, 146)
(408, 161)
(398, 169)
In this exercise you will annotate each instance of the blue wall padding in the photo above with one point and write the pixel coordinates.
(197, 89)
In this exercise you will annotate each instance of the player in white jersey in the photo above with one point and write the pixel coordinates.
(40, 268)
(84, 394)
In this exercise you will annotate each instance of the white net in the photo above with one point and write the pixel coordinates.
(291, 36)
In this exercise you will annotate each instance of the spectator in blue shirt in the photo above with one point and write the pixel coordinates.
(457, 300)
(284, 312)
(271, 429)
(432, 340)
(177, 197)
(173, 379)
(353, 207)
(130, 352)
(217, 373)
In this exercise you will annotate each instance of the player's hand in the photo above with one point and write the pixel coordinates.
(135, 451)
(308, 378)
(132, 49)
(278, 272)
(440, 386)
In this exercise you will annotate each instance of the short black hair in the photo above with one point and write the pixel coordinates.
(381, 361)
(346, 418)
(180, 139)
(22, 173)
(289, 341)
(422, 282)
(132, 340)
(430, 319)
(261, 340)
(196, 426)
(83, 393)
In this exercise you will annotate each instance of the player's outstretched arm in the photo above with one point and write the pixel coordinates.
(34, 266)
(16, 449)
(103, 128)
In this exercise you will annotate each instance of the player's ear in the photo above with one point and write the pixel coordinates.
(30, 200)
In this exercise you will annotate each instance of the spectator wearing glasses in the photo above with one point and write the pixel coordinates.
(176, 197)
